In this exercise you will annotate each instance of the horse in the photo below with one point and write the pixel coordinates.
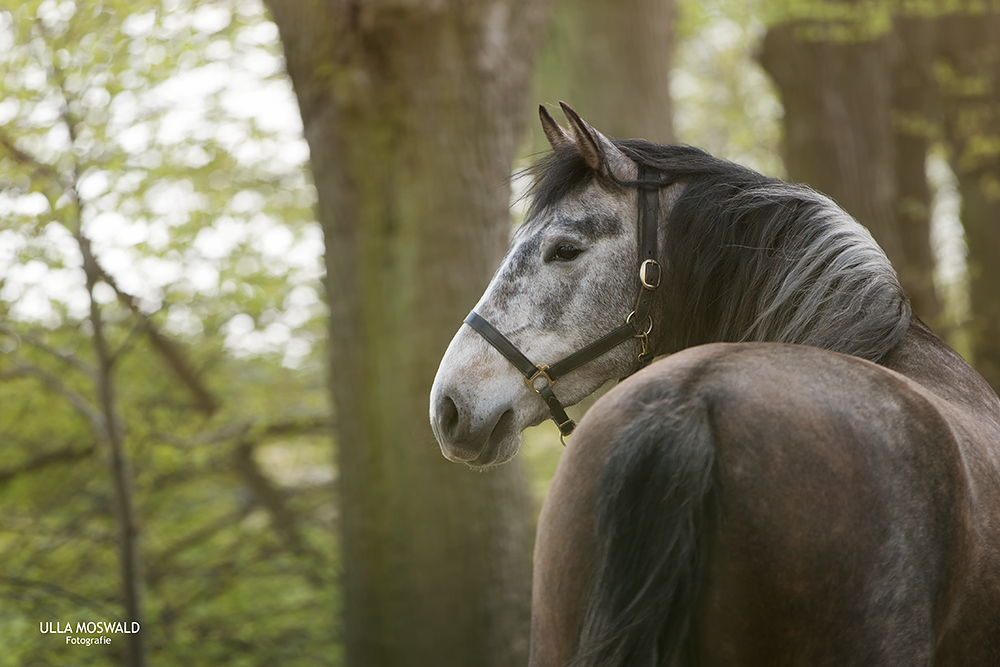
(809, 476)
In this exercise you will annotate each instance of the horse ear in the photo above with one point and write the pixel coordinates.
(596, 149)
(556, 134)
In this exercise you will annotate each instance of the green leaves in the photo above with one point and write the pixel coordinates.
(724, 102)
(147, 131)
(144, 128)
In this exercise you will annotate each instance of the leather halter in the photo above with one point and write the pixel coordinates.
(638, 324)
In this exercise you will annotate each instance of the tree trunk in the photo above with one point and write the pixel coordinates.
(412, 111)
(611, 60)
(110, 431)
(915, 124)
(969, 79)
(839, 138)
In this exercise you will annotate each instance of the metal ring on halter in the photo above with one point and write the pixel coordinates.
(640, 334)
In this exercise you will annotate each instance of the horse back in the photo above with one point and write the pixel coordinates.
(844, 524)
(847, 517)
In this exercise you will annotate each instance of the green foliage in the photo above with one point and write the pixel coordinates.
(136, 129)
(836, 21)
(723, 100)
(861, 20)
(129, 120)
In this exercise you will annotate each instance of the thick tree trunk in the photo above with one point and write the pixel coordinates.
(839, 138)
(915, 124)
(611, 60)
(969, 79)
(412, 112)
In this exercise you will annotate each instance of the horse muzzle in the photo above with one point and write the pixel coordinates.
(477, 441)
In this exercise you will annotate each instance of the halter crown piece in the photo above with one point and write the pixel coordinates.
(638, 324)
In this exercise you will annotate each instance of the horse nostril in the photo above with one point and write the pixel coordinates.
(448, 419)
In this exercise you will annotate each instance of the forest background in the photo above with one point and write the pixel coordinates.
(235, 239)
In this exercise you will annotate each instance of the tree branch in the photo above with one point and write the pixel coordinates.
(167, 348)
(65, 356)
(53, 589)
(65, 454)
(159, 568)
(283, 519)
(79, 403)
(221, 577)
(41, 169)
(318, 422)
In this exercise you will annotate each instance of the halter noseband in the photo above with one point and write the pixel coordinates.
(638, 324)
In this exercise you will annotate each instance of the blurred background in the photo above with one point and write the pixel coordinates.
(236, 237)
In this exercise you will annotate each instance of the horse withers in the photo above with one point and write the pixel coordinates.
(811, 477)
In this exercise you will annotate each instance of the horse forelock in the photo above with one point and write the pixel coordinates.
(751, 258)
(554, 177)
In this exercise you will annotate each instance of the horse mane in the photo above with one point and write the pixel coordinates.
(757, 258)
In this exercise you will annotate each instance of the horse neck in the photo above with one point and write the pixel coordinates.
(929, 361)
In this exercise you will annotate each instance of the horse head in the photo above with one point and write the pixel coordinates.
(567, 278)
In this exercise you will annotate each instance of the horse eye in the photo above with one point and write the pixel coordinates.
(565, 252)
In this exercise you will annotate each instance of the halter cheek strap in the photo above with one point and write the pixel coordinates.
(638, 324)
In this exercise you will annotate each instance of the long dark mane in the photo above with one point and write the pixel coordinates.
(752, 258)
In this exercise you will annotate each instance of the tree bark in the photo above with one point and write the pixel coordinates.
(412, 111)
(841, 138)
(915, 125)
(969, 80)
(611, 60)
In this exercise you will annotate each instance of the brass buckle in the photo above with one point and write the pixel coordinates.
(643, 356)
(644, 270)
(541, 372)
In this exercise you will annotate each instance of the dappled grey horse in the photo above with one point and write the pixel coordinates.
(811, 477)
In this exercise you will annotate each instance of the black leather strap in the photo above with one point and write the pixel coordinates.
(649, 268)
(500, 342)
(591, 351)
(649, 212)
(559, 416)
